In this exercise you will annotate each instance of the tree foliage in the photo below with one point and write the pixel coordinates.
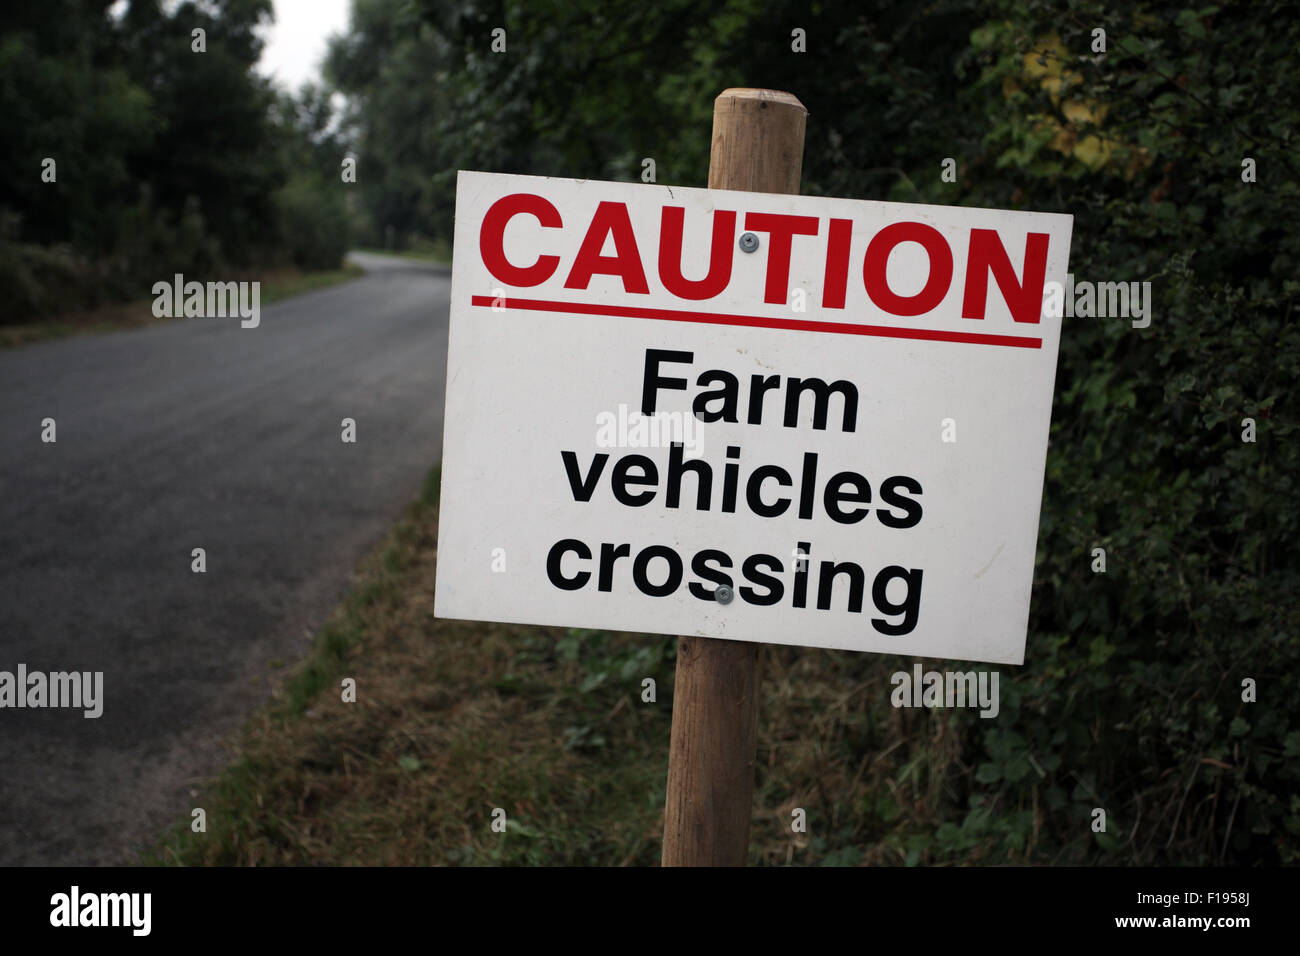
(166, 159)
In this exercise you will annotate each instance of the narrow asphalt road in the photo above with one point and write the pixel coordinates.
(192, 434)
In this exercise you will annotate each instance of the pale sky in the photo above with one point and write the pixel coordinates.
(296, 43)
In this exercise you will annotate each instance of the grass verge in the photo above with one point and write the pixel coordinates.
(276, 285)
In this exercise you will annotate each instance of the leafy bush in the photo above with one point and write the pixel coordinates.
(38, 279)
(313, 224)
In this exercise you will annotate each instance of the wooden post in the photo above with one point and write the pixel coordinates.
(757, 147)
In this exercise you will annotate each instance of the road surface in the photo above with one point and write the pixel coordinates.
(193, 434)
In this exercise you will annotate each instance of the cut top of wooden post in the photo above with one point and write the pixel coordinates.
(757, 141)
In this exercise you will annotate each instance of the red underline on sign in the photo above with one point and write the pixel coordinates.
(759, 321)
